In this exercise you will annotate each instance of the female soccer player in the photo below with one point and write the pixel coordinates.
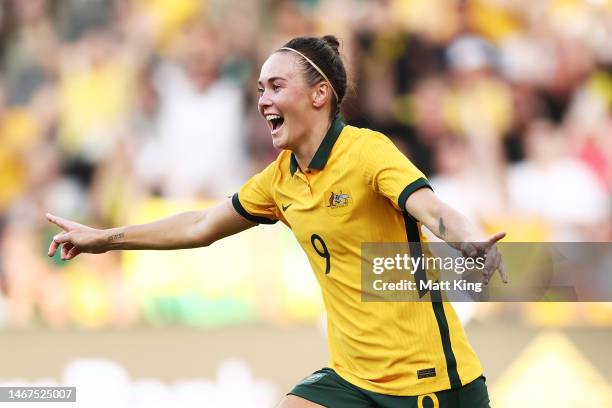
(337, 186)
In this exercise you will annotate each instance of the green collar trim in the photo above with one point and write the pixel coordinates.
(322, 155)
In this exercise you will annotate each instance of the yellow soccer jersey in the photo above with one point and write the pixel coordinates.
(354, 190)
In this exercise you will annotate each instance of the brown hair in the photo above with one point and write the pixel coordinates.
(322, 51)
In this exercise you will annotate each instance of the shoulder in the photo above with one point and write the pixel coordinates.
(366, 138)
(369, 144)
(362, 139)
(362, 135)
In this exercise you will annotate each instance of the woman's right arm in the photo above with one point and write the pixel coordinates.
(190, 229)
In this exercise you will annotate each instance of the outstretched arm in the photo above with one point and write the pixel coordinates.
(190, 229)
(451, 226)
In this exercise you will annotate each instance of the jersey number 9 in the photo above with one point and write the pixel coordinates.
(317, 242)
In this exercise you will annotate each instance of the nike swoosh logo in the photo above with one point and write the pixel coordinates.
(286, 207)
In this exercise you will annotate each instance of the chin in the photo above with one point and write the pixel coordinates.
(279, 144)
(280, 141)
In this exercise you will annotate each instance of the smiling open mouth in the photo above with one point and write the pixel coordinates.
(275, 122)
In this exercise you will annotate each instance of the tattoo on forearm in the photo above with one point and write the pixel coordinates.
(442, 228)
(116, 237)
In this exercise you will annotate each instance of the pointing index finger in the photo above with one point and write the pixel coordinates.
(60, 222)
(494, 238)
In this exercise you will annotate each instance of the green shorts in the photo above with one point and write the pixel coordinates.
(327, 388)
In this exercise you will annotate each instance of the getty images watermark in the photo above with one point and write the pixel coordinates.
(557, 272)
(412, 264)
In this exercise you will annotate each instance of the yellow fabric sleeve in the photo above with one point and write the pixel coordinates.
(388, 171)
(255, 201)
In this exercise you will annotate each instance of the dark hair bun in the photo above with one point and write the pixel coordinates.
(333, 42)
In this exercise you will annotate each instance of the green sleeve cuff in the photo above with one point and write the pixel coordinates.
(253, 218)
(411, 188)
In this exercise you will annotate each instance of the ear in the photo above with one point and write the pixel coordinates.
(320, 94)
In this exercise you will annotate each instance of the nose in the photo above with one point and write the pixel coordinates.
(264, 101)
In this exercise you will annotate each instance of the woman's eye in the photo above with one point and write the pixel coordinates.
(260, 91)
(275, 87)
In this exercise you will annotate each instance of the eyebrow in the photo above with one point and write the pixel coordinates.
(271, 79)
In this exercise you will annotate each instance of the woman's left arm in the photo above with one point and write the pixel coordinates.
(454, 228)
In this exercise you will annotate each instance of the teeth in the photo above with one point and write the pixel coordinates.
(272, 117)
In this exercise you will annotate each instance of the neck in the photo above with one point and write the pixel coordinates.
(306, 150)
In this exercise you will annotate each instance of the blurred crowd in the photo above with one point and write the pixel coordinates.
(109, 105)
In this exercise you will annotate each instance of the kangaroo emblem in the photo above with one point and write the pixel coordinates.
(338, 200)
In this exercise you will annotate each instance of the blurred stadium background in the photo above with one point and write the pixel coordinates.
(122, 111)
